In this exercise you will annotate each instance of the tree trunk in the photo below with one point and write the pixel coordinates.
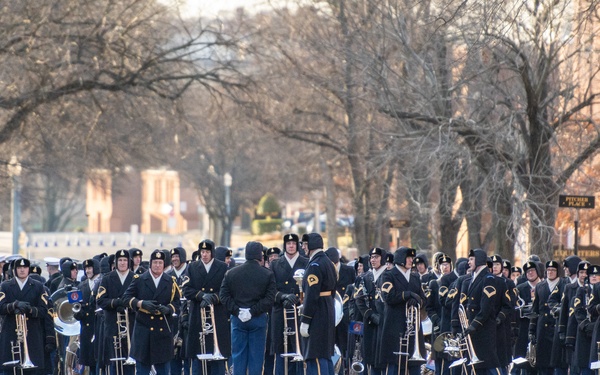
(330, 205)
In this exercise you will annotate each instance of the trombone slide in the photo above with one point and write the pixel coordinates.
(209, 328)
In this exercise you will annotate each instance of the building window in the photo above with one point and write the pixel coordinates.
(170, 191)
(157, 191)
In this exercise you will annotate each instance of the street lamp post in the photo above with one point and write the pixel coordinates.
(14, 170)
(318, 194)
(227, 181)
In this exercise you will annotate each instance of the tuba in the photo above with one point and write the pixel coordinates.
(338, 305)
(64, 314)
(65, 324)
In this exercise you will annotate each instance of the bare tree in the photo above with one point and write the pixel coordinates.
(316, 51)
(97, 83)
(519, 99)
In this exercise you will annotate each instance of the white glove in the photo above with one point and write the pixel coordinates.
(304, 329)
(245, 315)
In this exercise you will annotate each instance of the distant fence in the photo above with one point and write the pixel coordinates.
(75, 244)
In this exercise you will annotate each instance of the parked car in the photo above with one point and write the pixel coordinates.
(343, 222)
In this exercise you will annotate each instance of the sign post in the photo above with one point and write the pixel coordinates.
(398, 224)
(577, 202)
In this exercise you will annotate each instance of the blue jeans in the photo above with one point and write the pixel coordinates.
(294, 368)
(179, 366)
(161, 368)
(248, 340)
(123, 369)
(212, 367)
(392, 369)
(319, 366)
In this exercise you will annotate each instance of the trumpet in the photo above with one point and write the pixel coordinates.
(357, 366)
(207, 329)
(413, 326)
(20, 356)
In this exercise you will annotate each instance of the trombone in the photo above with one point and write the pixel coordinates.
(289, 331)
(20, 357)
(465, 341)
(207, 329)
(413, 326)
(122, 333)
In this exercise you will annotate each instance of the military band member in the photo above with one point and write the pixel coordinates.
(110, 299)
(593, 314)
(400, 289)
(272, 254)
(345, 277)
(454, 297)
(136, 261)
(445, 286)
(389, 261)
(432, 301)
(87, 315)
(367, 292)
(362, 264)
(303, 246)
(515, 273)
(504, 313)
(479, 294)
(179, 271)
(69, 275)
(525, 294)
(506, 266)
(570, 320)
(318, 312)
(585, 322)
(52, 268)
(201, 289)
(154, 297)
(224, 254)
(575, 279)
(286, 298)
(248, 304)
(435, 296)
(24, 297)
(541, 330)
(422, 268)
(54, 285)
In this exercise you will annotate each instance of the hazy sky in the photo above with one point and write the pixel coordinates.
(211, 8)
